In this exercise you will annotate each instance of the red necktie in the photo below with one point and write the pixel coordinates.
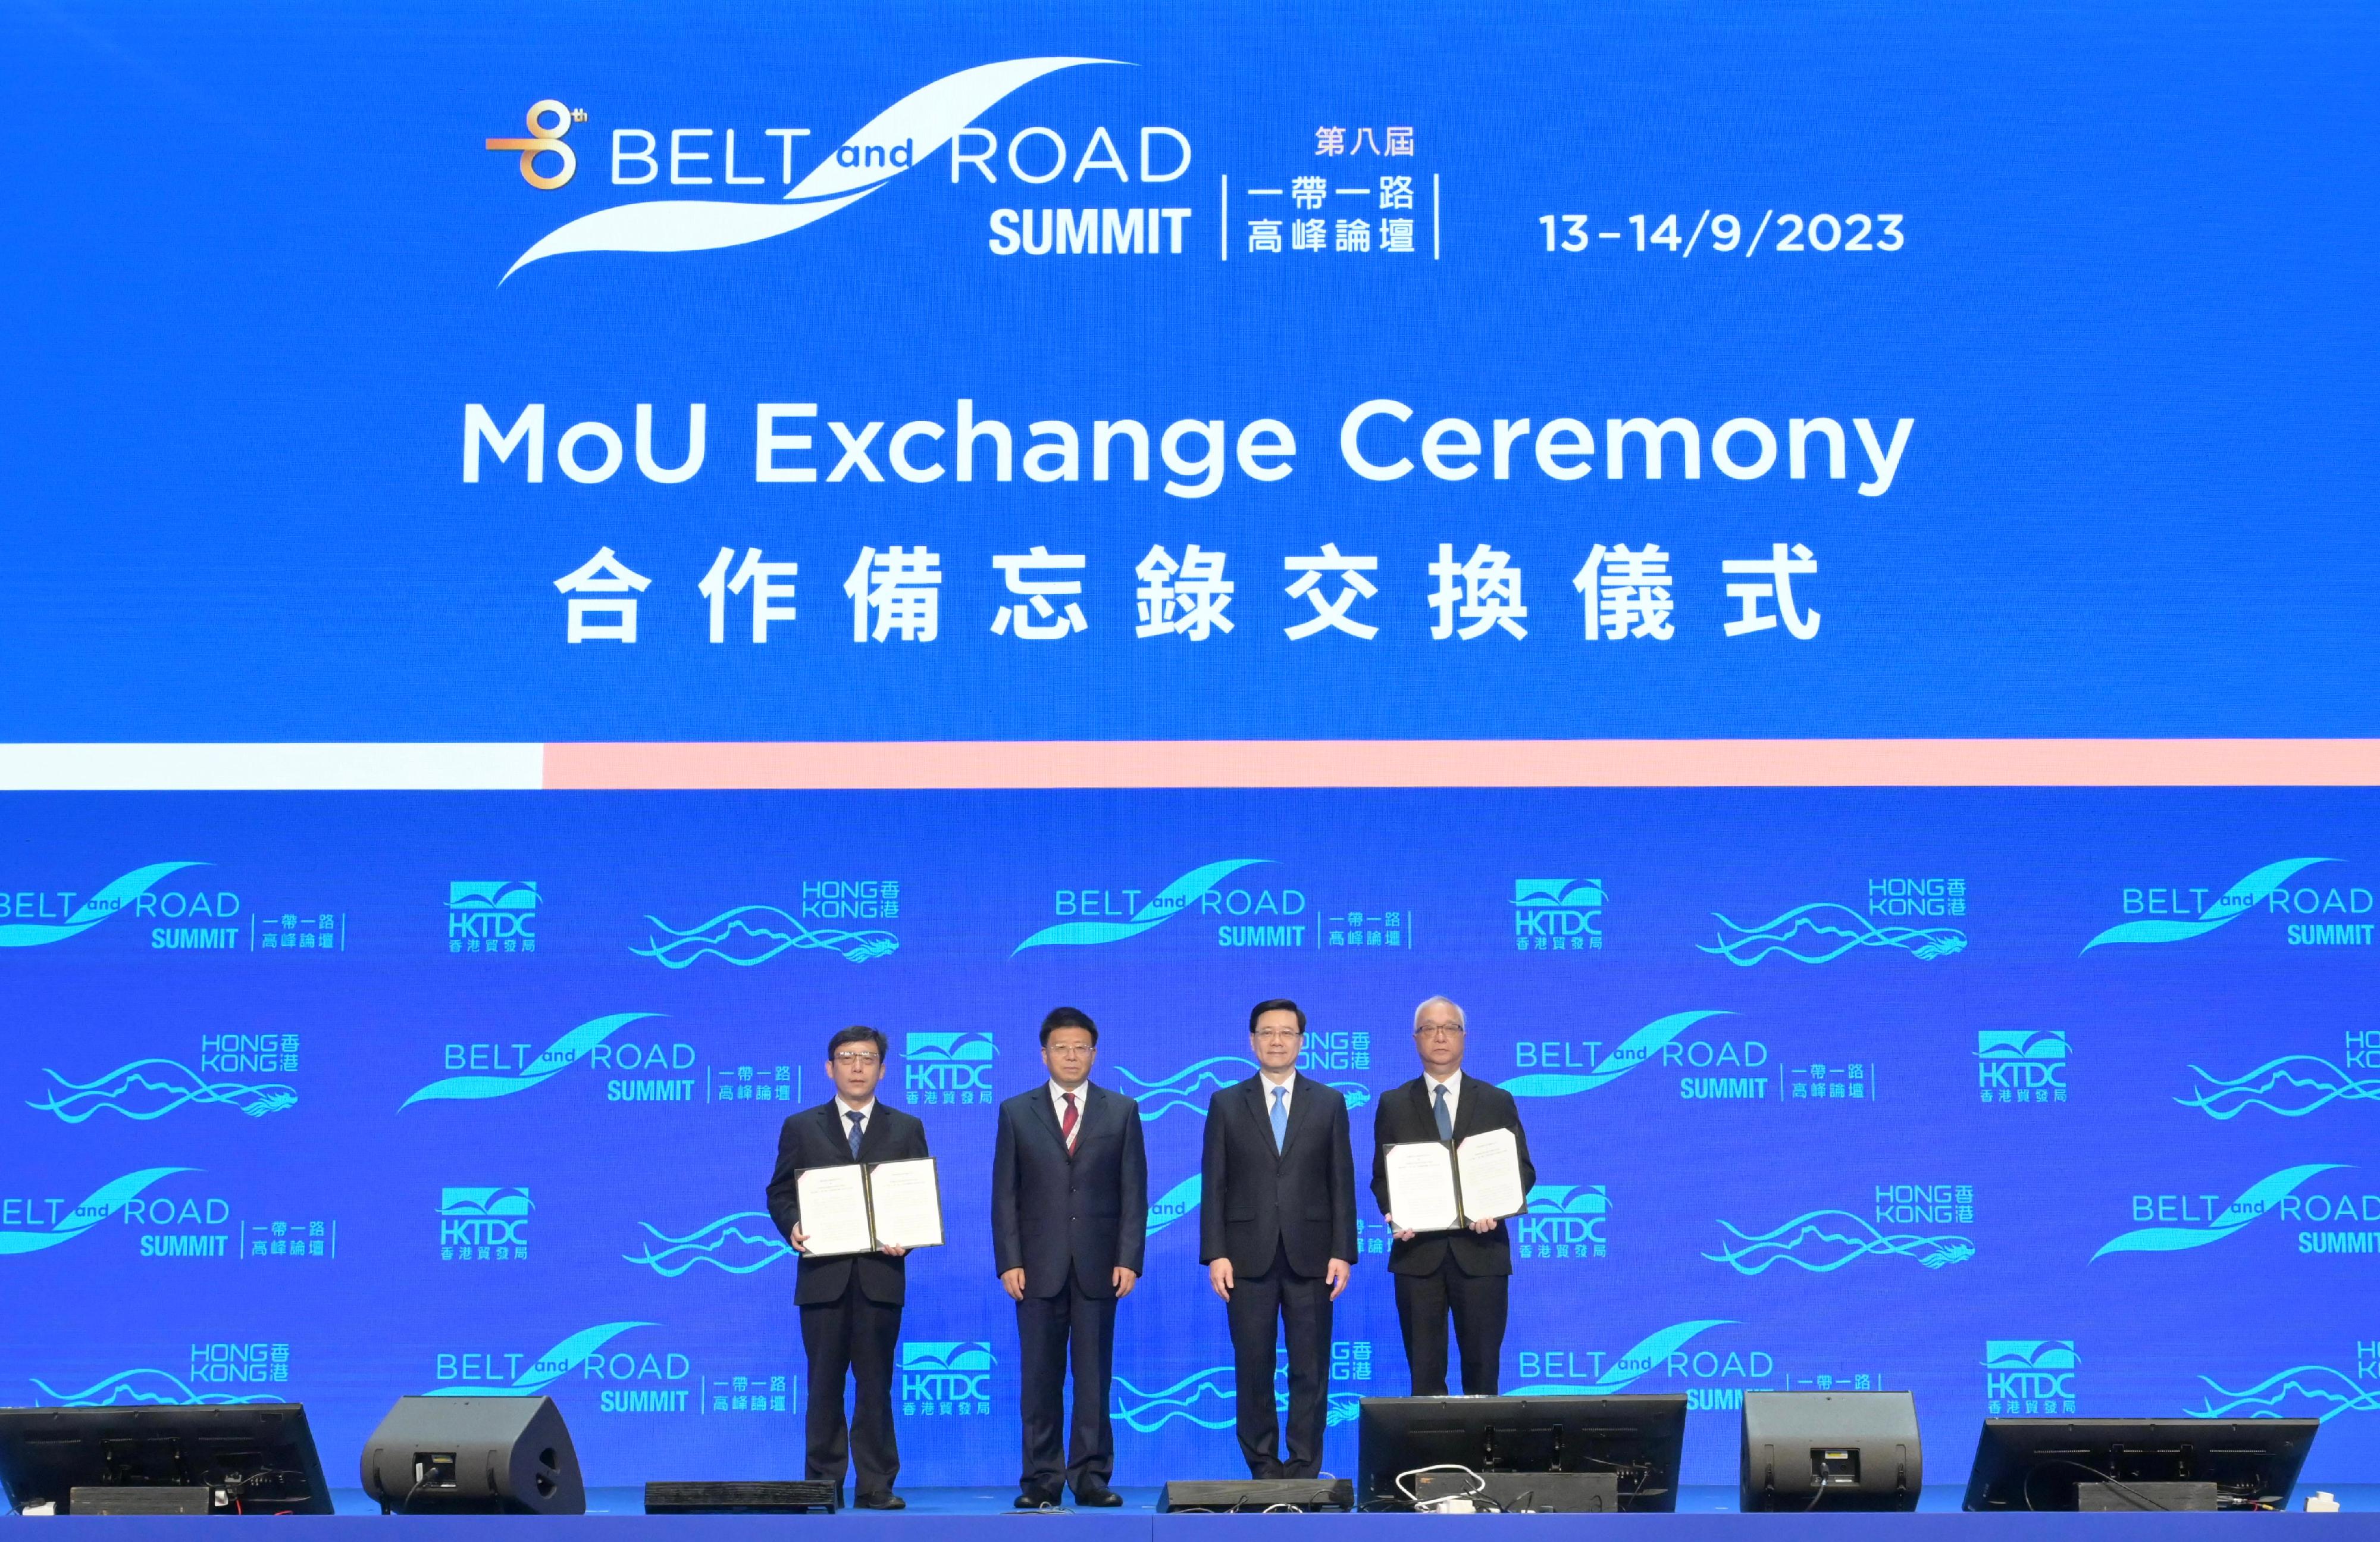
(1066, 1125)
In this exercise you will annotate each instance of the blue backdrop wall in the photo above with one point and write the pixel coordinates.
(1381, 377)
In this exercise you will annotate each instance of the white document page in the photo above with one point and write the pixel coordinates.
(1491, 1165)
(908, 1196)
(834, 1210)
(1421, 1187)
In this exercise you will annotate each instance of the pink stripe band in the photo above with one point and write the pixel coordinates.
(1477, 763)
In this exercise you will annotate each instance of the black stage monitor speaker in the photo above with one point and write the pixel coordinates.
(2138, 1463)
(472, 1455)
(1831, 1451)
(786, 1497)
(1635, 1437)
(1257, 1495)
(246, 1458)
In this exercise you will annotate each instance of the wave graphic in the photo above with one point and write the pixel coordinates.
(1581, 1199)
(2292, 1086)
(143, 1386)
(146, 1089)
(2236, 902)
(1823, 931)
(116, 897)
(2264, 1194)
(556, 1057)
(971, 1048)
(1648, 1353)
(104, 1202)
(1647, 1043)
(1195, 1084)
(1183, 893)
(1832, 1239)
(504, 1202)
(555, 1363)
(1178, 1203)
(737, 937)
(1210, 1399)
(925, 119)
(2017, 1044)
(745, 1243)
(961, 1356)
(2323, 1393)
(2029, 1354)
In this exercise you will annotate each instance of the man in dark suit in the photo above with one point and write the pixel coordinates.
(1467, 1273)
(851, 1304)
(1069, 1228)
(1277, 1233)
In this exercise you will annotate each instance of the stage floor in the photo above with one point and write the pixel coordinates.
(1939, 1498)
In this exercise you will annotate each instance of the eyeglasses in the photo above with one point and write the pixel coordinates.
(1437, 1030)
(848, 1057)
(1278, 1034)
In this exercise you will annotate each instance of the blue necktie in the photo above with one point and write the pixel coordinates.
(1279, 1117)
(856, 1126)
(1445, 1120)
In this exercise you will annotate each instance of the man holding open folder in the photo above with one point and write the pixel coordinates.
(1466, 1272)
(851, 1303)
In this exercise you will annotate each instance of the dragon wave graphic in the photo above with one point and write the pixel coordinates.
(146, 1089)
(1183, 893)
(1823, 931)
(144, 1386)
(1824, 1241)
(1208, 1398)
(1192, 1086)
(2236, 902)
(556, 1057)
(2318, 1391)
(116, 897)
(925, 119)
(2292, 1086)
(1647, 1043)
(2262, 1197)
(745, 1243)
(751, 934)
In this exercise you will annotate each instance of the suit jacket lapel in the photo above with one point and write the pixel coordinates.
(837, 1130)
(871, 1140)
(1041, 1106)
(1469, 1108)
(1301, 1112)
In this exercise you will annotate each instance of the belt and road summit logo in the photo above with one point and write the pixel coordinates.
(2029, 1377)
(1825, 931)
(183, 919)
(2292, 1086)
(1563, 1220)
(935, 1379)
(2332, 1217)
(747, 935)
(1714, 1372)
(1558, 914)
(948, 1068)
(903, 135)
(744, 1242)
(2310, 1391)
(1564, 1068)
(1820, 1242)
(2312, 915)
(151, 1087)
(491, 915)
(2020, 1065)
(1257, 918)
(219, 1373)
(483, 1224)
(625, 1378)
(637, 1070)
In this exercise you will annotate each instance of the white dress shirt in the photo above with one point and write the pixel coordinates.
(843, 1112)
(1082, 1097)
(1268, 1086)
(1453, 1084)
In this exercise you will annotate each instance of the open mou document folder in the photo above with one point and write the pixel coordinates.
(860, 1208)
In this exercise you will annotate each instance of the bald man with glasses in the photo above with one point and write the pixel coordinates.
(1467, 1274)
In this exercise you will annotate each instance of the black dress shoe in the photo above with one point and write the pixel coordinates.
(1099, 1498)
(880, 1502)
(1030, 1501)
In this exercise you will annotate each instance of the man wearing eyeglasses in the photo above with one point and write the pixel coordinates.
(1277, 1233)
(1466, 1274)
(850, 1305)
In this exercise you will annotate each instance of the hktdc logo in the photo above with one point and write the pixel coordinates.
(483, 1224)
(1557, 914)
(948, 1068)
(2029, 1377)
(491, 915)
(2020, 1065)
